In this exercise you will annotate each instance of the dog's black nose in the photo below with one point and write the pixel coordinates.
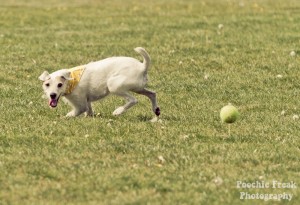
(53, 95)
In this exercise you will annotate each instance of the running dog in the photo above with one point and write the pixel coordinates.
(87, 83)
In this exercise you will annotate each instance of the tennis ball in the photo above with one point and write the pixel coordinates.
(229, 114)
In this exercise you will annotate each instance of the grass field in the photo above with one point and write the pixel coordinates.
(205, 54)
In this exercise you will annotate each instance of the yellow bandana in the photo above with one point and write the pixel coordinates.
(76, 74)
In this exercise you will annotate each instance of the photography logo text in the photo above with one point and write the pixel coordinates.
(276, 190)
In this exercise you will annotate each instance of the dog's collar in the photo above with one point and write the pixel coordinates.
(75, 75)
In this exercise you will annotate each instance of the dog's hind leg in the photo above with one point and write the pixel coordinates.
(152, 96)
(131, 101)
(119, 85)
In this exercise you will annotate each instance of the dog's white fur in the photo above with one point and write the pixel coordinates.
(116, 75)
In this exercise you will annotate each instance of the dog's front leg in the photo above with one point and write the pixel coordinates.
(75, 112)
(89, 111)
(79, 107)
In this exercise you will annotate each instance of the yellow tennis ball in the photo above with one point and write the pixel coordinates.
(229, 114)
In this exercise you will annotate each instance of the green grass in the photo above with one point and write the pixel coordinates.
(47, 159)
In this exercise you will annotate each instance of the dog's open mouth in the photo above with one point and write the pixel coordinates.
(53, 102)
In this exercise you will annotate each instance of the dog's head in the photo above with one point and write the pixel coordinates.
(55, 85)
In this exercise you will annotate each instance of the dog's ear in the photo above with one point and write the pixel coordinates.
(66, 75)
(45, 76)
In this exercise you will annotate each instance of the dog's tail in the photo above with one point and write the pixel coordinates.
(147, 60)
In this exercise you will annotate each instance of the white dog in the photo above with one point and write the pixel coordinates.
(83, 84)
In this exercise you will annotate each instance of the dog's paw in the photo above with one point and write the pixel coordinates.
(119, 111)
(157, 111)
(70, 114)
(89, 114)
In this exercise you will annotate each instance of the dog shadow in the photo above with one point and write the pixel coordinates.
(143, 118)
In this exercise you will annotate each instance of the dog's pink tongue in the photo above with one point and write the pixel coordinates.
(53, 103)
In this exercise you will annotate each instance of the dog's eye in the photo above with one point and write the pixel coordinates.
(47, 84)
(59, 85)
